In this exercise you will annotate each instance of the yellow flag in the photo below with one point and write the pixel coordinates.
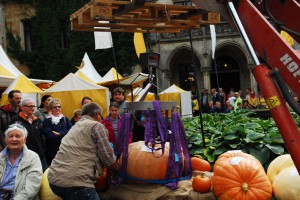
(139, 44)
(287, 38)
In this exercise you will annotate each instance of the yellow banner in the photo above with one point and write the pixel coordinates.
(139, 44)
(287, 38)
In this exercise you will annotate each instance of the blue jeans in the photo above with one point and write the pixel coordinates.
(72, 193)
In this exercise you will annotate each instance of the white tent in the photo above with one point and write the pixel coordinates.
(182, 97)
(111, 75)
(9, 72)
(27, 88)
(71, 89)
(87, 69)
(138, 91)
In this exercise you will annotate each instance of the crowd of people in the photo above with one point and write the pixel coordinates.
(219, 102)
(33, 139)
(76, 151)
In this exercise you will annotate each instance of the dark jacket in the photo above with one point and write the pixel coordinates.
(52, 142)
(34, 140)
(5, 117)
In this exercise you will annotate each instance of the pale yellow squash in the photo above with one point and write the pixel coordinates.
(286, 185)
(278, 164)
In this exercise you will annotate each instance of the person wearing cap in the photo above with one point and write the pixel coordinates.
(238, 100)
(20, 168)
(82, 155)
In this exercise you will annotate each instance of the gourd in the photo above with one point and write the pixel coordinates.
(240, 178)
(143, 164)
(45, 190)
(201, 183)
(286, 185)
(200, 164)
(278, 164)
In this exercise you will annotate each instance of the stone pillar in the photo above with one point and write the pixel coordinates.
(2, 27)
(253, 82)
(206, 77)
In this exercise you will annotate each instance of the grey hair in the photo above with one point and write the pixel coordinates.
(16, 126)
(53, 102)
(91, 109)
(26, 100)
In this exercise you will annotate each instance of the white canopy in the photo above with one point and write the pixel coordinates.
(9, 72)
(111, 75)
(89, 70)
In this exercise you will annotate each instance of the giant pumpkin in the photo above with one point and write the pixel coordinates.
(143, 164)
(240, 178)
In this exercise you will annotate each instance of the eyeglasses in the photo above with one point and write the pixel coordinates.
(56, 107)
(31, 106)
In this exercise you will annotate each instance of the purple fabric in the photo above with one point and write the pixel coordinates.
(178, 143)
(155, 121)
(123, 141)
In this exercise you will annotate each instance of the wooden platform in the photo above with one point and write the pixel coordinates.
(139, 16)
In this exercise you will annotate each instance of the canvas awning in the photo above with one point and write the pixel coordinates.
(134, 80)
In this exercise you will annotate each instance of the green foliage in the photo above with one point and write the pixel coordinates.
(240, 130)
(56, 50)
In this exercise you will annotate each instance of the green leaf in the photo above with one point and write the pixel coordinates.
(230, 137)
(252, 136)
(279, 150)
(262, 154)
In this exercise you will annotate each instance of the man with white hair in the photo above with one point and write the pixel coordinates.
(33, 126)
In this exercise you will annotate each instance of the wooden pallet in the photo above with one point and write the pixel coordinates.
(139, 16)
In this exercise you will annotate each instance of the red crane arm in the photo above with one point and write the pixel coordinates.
(269, 44)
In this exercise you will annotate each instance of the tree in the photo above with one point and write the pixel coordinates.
(56, 50)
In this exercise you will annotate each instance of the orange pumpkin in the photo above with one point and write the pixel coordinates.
(200, 164)
(101, 184)
(144, 164)
(230, 154)
(201, 183)
(241, 178)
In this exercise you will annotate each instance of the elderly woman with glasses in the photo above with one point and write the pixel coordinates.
(55, 127)
(20, 168)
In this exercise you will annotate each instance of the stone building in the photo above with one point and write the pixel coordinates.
(231, 58)
(14, 15)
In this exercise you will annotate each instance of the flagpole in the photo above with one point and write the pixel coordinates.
(115, 61)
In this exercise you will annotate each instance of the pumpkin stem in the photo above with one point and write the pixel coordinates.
(245, 187)
(198, 156)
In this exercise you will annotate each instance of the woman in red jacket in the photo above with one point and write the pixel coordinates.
(113, 123)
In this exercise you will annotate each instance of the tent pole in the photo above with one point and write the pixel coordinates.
(115, 60)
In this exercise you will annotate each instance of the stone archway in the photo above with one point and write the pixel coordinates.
(231, 61)
(182, 70)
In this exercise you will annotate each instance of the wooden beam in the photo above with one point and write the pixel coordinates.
(134, 4)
